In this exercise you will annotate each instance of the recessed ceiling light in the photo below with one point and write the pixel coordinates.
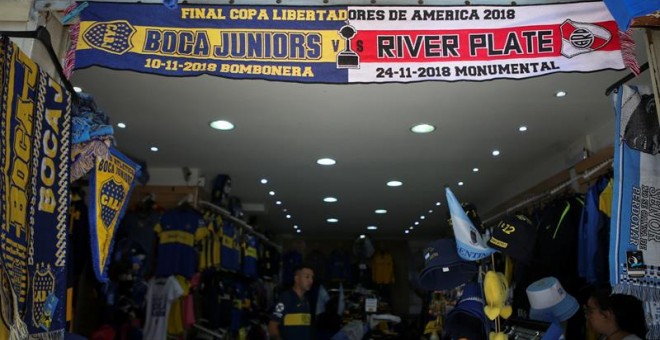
(363, 236)
(272, 193)
(411, 227)
(394, 183)
(121, 125)
(326, 161)
(295, 227)
(422, 217)
(222, 125)
(422, 128)
(298, 231)
(475, 169)
(372, 227)
(416, 223)
(288, 216)
(560, 94)
(522, 128)
(330, 199)
(264, 181)
(407, 231)
(332, 220)
(496, 152)
(430, 211)
(77, 89)
(153, 148)
(285, 210)
(437, 203)
(278, 202)
(460, 184)
(380, 211)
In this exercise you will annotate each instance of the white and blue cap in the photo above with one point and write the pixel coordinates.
(549, 301)
(470, 243)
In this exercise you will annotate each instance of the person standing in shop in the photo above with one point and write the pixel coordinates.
(616, 316)
(292, 317)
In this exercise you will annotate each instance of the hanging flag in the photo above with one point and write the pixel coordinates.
(470, 244)
(35, 122)
(111, 182)
(350, 44)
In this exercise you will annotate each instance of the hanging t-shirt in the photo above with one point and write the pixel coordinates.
(591, 225)
(178, 231)
(230, 253)
(605, 200)
(382, 268)
(162, 292)
(250, 258)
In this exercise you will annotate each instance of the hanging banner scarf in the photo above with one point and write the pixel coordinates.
(350, 44)
(635, 223)
(111, 182)
(470, 244)
(35, 120)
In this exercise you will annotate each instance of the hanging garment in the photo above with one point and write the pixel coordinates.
(178, 230)
(382, 268)
(250, 258)
(160, 296)
(592, 223)
(230, 251)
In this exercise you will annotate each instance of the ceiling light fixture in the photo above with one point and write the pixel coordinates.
(330, 200)
(278, 202)
(416, 222)
(363, 236)
(295, 227)
(77, 89)
(298, 230)
(460, 184)
(407, 231)
(394, 183)
(523, 128)
(264, 181)
(430, 211)
(422, 217)
(411, 228)
(326, 161)
(285, 210)
(153, 148)
(380, 211)
(422, 128)
(272, 193)
(560, 94)
(222, 125)
(475, 169)
(332, 220)
(372, 227)
(437, 203)
(288, 216)
(496, 152)
(121, 125)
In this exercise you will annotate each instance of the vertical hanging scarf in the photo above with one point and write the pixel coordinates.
(35, 124)
(635, 223)
(111, 182)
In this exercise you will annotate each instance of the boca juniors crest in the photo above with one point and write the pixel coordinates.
(43, 285)
(111, 182)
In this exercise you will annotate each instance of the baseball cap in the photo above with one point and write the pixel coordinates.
(549, 301)
(443, 268)
(470, 243)
(515, 236)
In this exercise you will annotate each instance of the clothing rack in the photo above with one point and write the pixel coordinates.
(245, 226)
(585, 175)
(625, 79)
(42, 34)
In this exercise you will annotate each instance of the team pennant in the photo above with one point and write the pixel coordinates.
(111, 182)
(471, 245)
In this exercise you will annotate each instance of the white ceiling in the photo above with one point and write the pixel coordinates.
(283, 128)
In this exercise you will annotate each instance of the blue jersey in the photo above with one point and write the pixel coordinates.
(230, 253)
(294, 316)
(178, 231)
(250, 256)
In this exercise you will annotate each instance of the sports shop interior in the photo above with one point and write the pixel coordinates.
(329, 169)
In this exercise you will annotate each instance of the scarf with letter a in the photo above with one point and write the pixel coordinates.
(35, 123)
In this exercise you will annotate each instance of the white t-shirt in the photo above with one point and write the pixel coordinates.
(162, 292)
